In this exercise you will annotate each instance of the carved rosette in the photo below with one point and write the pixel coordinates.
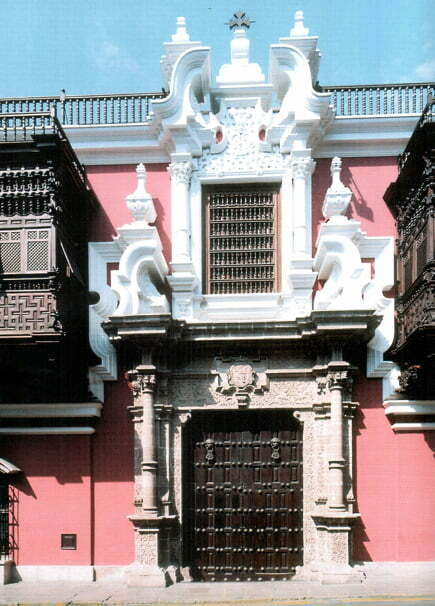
(181, 172)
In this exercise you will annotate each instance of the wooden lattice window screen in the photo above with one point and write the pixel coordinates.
(241, 232)
(25, 251)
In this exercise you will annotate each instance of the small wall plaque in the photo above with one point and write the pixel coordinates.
(68, 541)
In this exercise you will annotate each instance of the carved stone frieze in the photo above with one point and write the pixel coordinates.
(279, 393)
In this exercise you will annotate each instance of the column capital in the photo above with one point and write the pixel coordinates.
(143, 379)
(339, 376)
(181, 172)
(301, 167)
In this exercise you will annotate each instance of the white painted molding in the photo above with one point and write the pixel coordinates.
(409, 407)
(341, 246)
(381, 249)
(240, 71)
(347, 137)
(304, 115)
(52, 410)
(8, 468)
(100, 254)
(412, 427)
(139, 281)
(299, 38)
(45, 431)
(180, 43)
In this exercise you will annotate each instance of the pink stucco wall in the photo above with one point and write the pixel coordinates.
(76, 484)
(114, 479)
(395, 485)
(53, 497)
(112, 184)
(368, 178)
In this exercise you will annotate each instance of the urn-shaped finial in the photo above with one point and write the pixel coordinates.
(140, 203)
(338, 195)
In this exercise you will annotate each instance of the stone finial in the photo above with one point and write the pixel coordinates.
(140, 203)
(181, 35)
(338, 195)
(179, 44)
(298, 29)
(240, 70)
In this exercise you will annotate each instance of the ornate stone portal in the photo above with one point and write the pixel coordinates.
(317, 395)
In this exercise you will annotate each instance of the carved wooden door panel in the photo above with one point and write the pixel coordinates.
(245, 509)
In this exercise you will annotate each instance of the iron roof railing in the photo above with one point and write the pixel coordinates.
(135, 108)
(380, 99)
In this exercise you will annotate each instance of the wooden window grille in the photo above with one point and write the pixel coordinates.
(25, 251)
(241, 232)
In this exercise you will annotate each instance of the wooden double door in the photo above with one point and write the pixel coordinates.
(243, 503)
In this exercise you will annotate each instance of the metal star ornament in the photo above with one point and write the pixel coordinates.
(239, 19)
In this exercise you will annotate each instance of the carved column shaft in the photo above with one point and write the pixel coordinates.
(181, 173)
(143, 383)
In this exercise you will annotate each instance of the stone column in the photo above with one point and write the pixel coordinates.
(334, 520)
(338, 377)
(146, 521)
(302, 166)
(181, 173)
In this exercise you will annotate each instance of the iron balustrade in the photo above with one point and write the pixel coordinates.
(379, 99)
(87, 110)
(135, 108)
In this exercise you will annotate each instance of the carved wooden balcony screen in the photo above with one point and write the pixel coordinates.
(241, 239)
(25, 250)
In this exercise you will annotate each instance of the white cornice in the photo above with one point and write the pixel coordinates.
(367, 136)
(42, 431)
(51, 410)
(8, 468)
(401, 409)
(357, 137)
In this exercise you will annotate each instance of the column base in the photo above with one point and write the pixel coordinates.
(144, 575)
(329, 574)
(332, 564)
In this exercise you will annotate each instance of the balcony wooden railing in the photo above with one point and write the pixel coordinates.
(105, 110)
(24, 126)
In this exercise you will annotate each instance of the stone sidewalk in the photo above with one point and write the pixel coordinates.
(398, 580)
